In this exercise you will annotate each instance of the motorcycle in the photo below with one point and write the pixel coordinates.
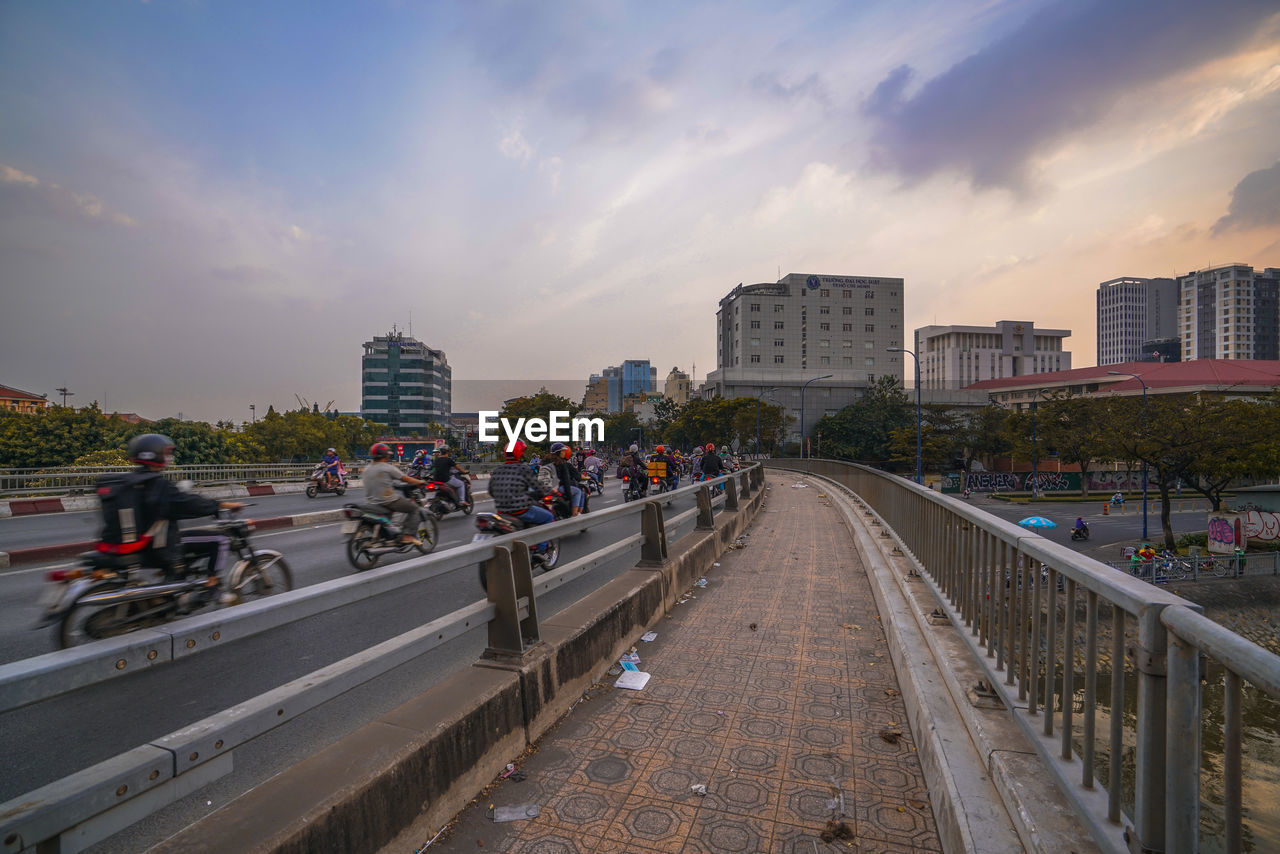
(445, 500)
(1080, 533)
(632, 488)
(111, 595)
(593, 486)
(542, 556)
(319, 483)
(370, 534)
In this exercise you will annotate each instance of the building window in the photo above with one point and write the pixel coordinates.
(777, 360)
(779, 342)
(848, 309)
(825, 327)
(755, 357)
(870, 294)
(871, 378)
(755, 342)
(870, 362)
(826, 360)
(870, 327)
(869, 345)
(755, 306)
(848, 294)
(846, 344)
(823, 292)
(825, 309)
(755, 324)
(777, 324)
(777, 307)
(848, 361)
(869, 311)
(847, 327)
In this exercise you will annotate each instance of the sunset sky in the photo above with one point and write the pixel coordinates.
(210, 204)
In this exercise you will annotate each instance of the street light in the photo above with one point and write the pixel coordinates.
(253, 415)
(1144, 429)
(761, 394)
(802, 388)
(919, 474)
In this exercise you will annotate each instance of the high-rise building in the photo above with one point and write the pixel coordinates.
(404, 384)
(676, 388)
(596, 398)
(777, 337)
(952, 357)
(1230, 312)
(634, 376)
(1133, 310)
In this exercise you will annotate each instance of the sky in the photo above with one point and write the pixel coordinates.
(209, 204)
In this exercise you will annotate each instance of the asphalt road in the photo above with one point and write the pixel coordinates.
(49, 740)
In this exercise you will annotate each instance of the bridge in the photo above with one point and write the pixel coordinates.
(868, 661)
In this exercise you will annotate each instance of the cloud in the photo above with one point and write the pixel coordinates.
(667, 65)
(993, 115)
(17, 187)
(1255, 202)
(610, 106)
(514, 146)
(769, 85)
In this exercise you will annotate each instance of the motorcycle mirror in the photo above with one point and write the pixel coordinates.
(186, 485)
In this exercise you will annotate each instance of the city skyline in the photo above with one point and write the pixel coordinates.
(212, 206)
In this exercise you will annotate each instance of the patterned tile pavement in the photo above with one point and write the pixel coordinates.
(770, 688)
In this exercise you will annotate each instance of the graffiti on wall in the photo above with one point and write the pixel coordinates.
(1261, 524)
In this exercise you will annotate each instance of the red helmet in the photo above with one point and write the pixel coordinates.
(710, 447)
(379, 449)
(660, 449)
(517, 451)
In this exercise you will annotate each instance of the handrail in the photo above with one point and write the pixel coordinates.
(101, 798)
(1016, 598)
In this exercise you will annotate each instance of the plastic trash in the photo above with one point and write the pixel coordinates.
(516, 813)
(649, 637)
(632, 680)
(627, 665)
(701, 582)
(699, 789)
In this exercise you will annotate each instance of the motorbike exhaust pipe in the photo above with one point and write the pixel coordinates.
(134, 594)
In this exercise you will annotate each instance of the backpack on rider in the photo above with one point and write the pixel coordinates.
(122, 498)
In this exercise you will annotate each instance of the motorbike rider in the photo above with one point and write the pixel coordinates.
(593, 466)
(420, 462)
(1081, 527)
(332, 468)
(140, 513)
(664, 463)
(513, 487)
(568, 476)
(444, 469)
(712, 465)
(638, 468)
(379, 481)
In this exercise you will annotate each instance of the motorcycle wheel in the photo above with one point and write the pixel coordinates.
(470, 507)
(312, 489)
(428, 531)
(341, 490)
(551, 556)
(86, 623)
(261, 575)
(358, 545)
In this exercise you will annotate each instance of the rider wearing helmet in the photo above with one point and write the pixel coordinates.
(712, 465)
(379, 482)
(568, 476)
(513, 487)
(141, 509)
(333, 468)
(444, 469)
(593, 466)
(662, 465)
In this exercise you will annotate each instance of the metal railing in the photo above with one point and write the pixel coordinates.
(83, 808)
(1163, 570)
(1017, 599)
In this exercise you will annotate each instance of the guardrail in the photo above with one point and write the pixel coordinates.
(1163, 570)
(1016, 596)
(83, 808)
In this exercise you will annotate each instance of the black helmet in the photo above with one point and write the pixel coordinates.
(379, 449)
(151, 449)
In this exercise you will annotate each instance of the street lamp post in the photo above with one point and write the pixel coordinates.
(916, 359)
(802, 388)
(1144, 428)
(1035, 456)
(253, 414)
(761, 394)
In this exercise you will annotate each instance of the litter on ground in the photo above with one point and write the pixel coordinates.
(699, 789)
(648, 637)
(701, 582)
(633, 680)
(516, 813)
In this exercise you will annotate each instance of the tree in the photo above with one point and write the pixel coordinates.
(1078, 430)
(621, 429)
(862, 431)
(665, 411)
(770, 418)
(1248, 447)
(983, 435)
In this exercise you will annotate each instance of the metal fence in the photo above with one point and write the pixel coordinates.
(1164, 570)
(77, 811)
(1016, 597)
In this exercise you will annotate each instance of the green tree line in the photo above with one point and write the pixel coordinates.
(64, 436)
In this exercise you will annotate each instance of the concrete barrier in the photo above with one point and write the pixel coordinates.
(404, 775)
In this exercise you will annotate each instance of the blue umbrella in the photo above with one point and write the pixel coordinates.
(1037, 522)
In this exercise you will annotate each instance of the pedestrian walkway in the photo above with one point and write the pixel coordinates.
(771, 688)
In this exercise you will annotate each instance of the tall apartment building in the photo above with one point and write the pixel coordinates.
(952, 357)
(404, 384)
(776, 337)
(1133, 310)
(618, 382)
(677, 387)
(596, 398)
(1230, 311)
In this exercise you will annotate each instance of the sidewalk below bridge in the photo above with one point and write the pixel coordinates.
(773, 720)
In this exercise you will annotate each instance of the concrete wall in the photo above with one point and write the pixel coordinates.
(412, 770)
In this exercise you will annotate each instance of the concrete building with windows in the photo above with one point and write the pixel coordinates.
(1230, 311)
(404, 384)
(777, 336)
(596, 398)
(616, 383)
(952, 357)
(1133, 310)
(677, 387)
